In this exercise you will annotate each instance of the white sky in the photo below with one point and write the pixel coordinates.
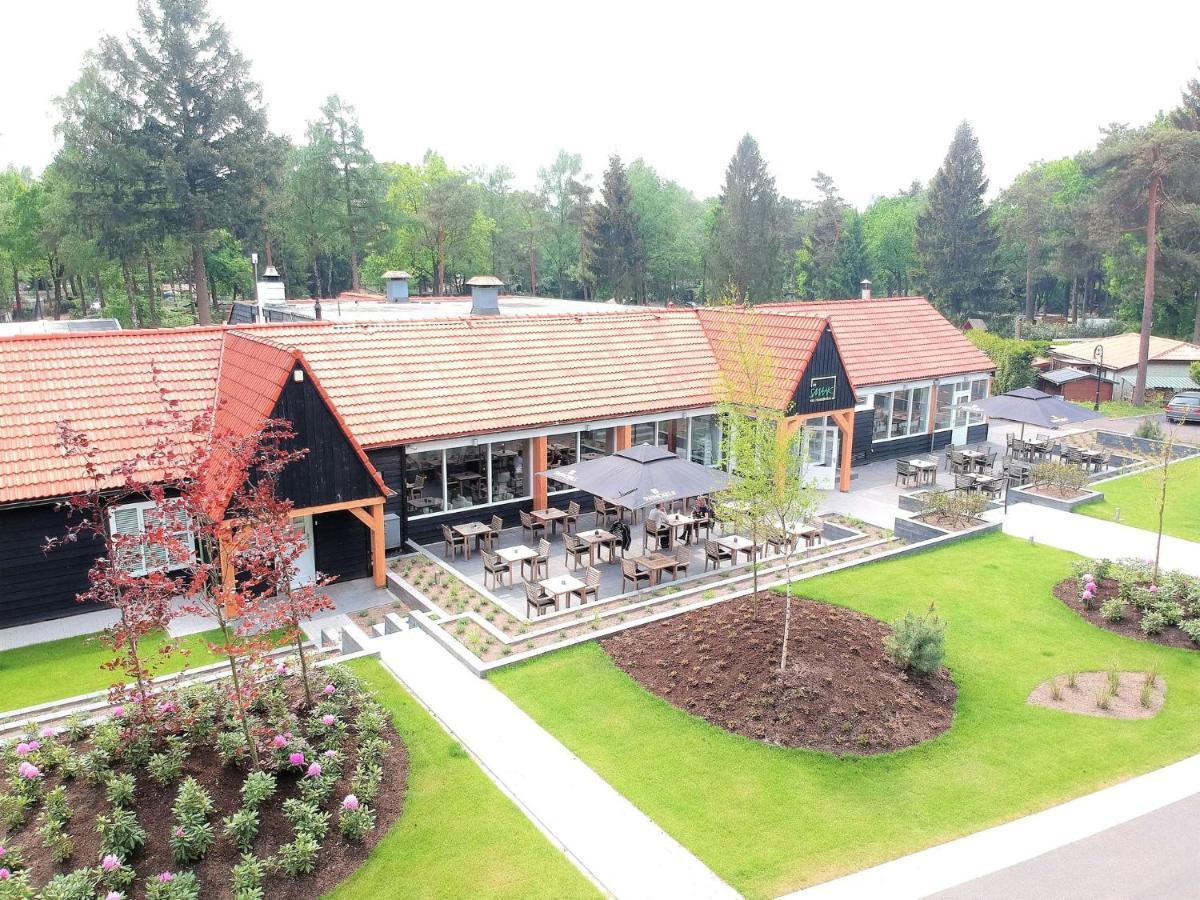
(869, 92)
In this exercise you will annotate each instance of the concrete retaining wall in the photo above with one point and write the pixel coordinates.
(1023, 495)
(916, 532)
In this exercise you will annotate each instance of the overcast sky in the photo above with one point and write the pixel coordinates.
(869, 93)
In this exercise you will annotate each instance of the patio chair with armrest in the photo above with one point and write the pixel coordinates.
(604, 512)
(683, 558)
(541, 562)
(574, 550)
(415, 488)
(453, 543)
(570, 521)
(985, 465)
(716, 554)
(528, 524)
(992, 487)
(591, 586)
(780, 542)
(537, 598)
(650, 530)
(964, 482)
(496, 568)
(906, 472)
(490, 537)
(958, 463)
(631, 572)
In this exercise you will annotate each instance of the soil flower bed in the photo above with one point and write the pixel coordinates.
(840, 693)
(176, 811)
(1120, 596)
(1106, 695)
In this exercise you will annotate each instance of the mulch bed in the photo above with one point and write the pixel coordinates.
(840, 693)
(1068, 592)
(153, 804)
(949, 523)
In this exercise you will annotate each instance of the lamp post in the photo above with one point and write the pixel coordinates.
(1098, 354)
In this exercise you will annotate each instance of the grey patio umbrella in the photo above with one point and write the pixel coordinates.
(641, 476)
(1029, 406)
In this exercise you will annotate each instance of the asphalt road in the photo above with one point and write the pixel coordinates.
(1154, 857)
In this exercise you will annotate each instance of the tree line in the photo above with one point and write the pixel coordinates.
(168, 178)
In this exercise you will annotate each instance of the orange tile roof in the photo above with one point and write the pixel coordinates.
(894, 339)
(419, 380)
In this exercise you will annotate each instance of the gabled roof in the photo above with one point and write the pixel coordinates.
(787, 341)
(1121, 350)
(1066, 375)
(894, 339)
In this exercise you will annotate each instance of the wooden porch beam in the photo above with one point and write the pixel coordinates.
(539, 463)
(378, 550)
(623, 437)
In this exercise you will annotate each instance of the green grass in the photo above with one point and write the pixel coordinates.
(1137, 497)
(458, 835)
(1119, 409)
(769, 820)
(71, 666)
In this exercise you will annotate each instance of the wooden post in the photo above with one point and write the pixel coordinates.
(845, 421)
(378, 550)
(538, 464)
(623, 437)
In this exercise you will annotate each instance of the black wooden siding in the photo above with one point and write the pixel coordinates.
(342, 545)
(389, 462)
(331, 472)
(35, 586)
(865, 451)
(826, 362)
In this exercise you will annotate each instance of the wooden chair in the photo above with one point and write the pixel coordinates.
(650, 530)
(528, 524)
(906, 472)
(964, 483)
(716, 554)
(496, 568)
(780, 542)
(541, 562)
(992, 488)
(573, 550)
(490, 538)
(414, 489)
(536, 598)
(630, 572)
(604, 512)
(984, 466)
(591, 586)
(454, 542)
(570, 521)
(703, 523)
(683, 559)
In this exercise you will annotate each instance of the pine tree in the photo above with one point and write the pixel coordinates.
(359, 186)
(1187, 116)
(745, 242)
(955, 241)
(194, 113)
(851, 265)
(612, 233)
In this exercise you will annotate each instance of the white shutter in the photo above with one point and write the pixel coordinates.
(175, 521)
(126, 521)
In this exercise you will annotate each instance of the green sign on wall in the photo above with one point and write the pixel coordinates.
(822, 390)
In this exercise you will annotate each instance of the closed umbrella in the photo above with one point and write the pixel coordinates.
(1030, 406)
(641, 476)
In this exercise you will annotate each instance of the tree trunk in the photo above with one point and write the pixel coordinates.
(200, 280)
(1196, 324)
(151, 291)
(270, 259)
(100, 290)
(1074, 302)
(533, 267)
(440, 283)
(1139, 384)
(131, 293)
(316, 268)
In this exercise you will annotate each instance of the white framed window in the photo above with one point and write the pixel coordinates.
(138, 557)
(900, 413)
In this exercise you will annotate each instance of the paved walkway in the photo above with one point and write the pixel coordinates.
(617, 845)
(967, 859)
(1095, 537)
(1153, 857)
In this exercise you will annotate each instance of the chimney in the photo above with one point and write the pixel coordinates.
(397, 286)
(865, 284)
(269, 291)
(485, 295)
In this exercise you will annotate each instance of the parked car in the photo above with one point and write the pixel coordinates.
(1184, 407)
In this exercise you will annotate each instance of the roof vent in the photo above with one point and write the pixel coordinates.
(865, 284)
(485, 295)
(397, 286)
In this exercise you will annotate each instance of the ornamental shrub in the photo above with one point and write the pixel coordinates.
(357, 823)
(172, 886)
(258, 786)
(242, 828)
(306, 818)
(1063, 477)
(166, 767)
(119, 789)
(298, 857)
(247, 878)
(190, 840)
(1113, 609)
(120, 833)
(16, 887)
(1153, 622)
(917, 643)
(193, 802)
(1191, 627)
(78, 885)
(56, 808)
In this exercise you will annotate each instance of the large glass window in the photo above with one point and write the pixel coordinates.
(466, 476)
(979, 391)
(425, 493)
(595, 442)
(644, 433)
(901, 413)
(673, 434)
(510, 475)
(706, 440)
(945, 405)
(562, 449)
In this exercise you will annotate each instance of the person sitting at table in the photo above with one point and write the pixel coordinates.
(658, 517)
(701, 512)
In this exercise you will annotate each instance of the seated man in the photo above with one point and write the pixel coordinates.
(658, 518)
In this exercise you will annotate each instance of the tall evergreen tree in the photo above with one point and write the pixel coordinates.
(359, 185)
(745, 241)
(955, 240)
(1187, 116)
(195, 114)
(612, 231)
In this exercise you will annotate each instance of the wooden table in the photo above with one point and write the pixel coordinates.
(472, 530)
(926, 467)
(596, 538)
(677, 521)
(736, 544)
(810, 534)
(559, 585)
(518, 556)
(549, 517)
(656, 563)
(424, 503)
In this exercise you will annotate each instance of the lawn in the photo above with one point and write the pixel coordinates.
(1120, 409)
(70, 666)
(1137, 497)
(458, 835)
(770, 820)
